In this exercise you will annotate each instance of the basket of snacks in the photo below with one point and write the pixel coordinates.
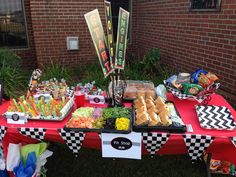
(197, 86)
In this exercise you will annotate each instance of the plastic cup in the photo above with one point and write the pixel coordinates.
(79, 99)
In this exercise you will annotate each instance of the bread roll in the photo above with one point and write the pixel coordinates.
(164, 116)
(151, 93)
(130, 92)
(154, 119)
(149, 98)
(141, 92)
(142, 119)
(139, 103)
(150, 104)
(163, 108)
(142, 109)
(159, 102)
(152, 109)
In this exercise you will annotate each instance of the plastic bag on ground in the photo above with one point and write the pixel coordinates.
(13, 156)
(27, 169)
(37, 148)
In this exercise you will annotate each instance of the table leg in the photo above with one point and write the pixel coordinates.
(208, 160)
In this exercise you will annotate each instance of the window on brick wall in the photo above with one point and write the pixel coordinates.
(115, 6)
(205, 5)
(12, 24)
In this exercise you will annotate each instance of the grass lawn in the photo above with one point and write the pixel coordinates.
(90, 164)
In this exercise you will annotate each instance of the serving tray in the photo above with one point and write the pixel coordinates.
(175, 127)
(102, 130)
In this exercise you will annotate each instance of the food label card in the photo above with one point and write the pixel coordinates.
(121, 145)
(96, 99)
(16, 117)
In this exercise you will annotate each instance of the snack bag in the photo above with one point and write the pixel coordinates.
(204, 81)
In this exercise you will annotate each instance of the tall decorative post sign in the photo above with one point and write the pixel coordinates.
(96, 30)
(110, 39)
(121, 42)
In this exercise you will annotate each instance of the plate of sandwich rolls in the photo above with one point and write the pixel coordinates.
(156, 114)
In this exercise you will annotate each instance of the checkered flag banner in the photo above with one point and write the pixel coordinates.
(197, 144)
(154, 141)
(233, 140)
(182, 96)
(74, 140)
(3, 130)
(35, 133)
(199, 98)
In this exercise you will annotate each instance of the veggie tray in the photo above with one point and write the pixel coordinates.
(50, 110)
(106, 120)
(150, 115)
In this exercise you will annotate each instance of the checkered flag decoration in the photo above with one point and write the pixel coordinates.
(197, 144)
(199, 98)
(35, 133)
(182, 96)
(3, 131)
(74, 140)
(154, 141)
(233, 140)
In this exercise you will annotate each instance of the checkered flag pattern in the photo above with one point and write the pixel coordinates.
(200, 98)
(35, 133)
(215, 117)
(3, 131)
(70, 93)
(197, 144)
(74, 140)
(154, 141)
(182, 96)
(233, 140)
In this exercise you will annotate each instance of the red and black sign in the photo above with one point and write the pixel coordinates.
(96, 30)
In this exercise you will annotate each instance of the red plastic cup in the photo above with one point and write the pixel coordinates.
(79, 99)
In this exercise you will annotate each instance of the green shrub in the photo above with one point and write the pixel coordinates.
(148, 68)
(9, 58)
(13, 79)
(58, 71)
(93, 72)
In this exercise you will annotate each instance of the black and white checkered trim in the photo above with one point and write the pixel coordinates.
(182, 96)
(233, 140)
(154, 141)
(3, 131)
(197, 144)
(70, 93)
(200, 98)
(74, 140)
(35, 133)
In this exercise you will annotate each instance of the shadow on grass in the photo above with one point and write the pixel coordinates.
(89, 163)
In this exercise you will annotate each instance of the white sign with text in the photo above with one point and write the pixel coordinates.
(122, 145)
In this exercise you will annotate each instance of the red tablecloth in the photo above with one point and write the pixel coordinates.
(221, 148)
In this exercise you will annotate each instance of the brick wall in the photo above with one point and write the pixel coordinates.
(54, 20)
(28, 55)
(189, 40)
